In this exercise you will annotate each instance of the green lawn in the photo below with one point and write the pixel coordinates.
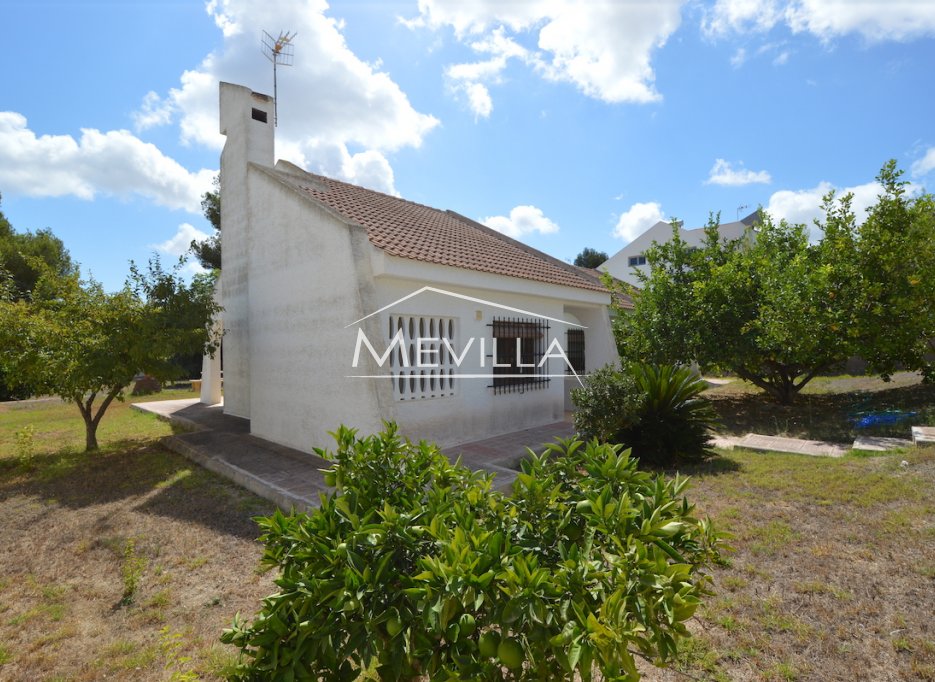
(57, 426)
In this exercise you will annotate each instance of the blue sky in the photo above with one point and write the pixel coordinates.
(565, 124)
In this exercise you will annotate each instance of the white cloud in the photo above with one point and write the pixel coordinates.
(479, 99)
(740, 15)
(738, 58)
(328, 99)
(474, 16)
(179, 243)
(603, 48)
(781, 58)
(924, 165)
(114, 162)
(722, 173)
(472, 78)
(804, 205)
(826, 19)
(875, 21)
(368, 168)
(153, 112)
(522, 220)
(637, 219)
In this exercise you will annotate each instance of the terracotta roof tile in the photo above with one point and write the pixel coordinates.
(410, 230)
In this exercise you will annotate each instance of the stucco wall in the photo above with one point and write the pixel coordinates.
(476, 411)
(309, 278)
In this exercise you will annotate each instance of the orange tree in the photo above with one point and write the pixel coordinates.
(72, 339)
(413, 568)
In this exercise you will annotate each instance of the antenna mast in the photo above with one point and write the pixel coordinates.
(279, 51)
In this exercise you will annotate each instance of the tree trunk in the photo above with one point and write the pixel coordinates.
(92, 420)
(90, 424)
(90, 435)
(780, 387)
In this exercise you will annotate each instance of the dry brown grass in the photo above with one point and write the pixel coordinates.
(79, 529)
(833, 577)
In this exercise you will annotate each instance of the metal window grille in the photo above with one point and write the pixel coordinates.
(574, 349)
(518, 342)
(411, 382)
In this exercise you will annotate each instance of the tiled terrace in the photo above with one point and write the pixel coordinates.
(290, 478)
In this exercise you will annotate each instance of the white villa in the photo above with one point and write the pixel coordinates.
(623, 264)
(319, 273)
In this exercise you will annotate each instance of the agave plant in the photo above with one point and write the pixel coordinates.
(674, 421)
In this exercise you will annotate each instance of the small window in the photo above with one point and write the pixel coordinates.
(637, 260)
(574, 349)
(258, 115)
(520, 345)
(428, 336)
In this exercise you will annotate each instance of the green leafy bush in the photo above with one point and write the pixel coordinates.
(608, 403)
(414, 568)
(657, 411)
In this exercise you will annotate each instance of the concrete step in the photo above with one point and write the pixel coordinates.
(923, 435)
(814, 448)
(880, 444)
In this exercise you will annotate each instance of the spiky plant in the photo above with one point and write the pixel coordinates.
(674, 422)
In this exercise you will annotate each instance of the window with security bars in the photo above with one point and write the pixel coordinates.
(520, 345)
(437, 378)
(574, 349)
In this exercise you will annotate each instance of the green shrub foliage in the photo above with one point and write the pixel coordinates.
(608, 403)
(414, 568)
(656, 410)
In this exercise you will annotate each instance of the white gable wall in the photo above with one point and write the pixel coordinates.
(619, 266)
(309, 278)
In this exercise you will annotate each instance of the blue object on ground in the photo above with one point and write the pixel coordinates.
(882, 418)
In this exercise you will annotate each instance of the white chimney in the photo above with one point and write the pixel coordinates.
(247, 121)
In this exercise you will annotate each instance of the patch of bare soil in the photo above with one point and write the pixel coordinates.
(124, 565)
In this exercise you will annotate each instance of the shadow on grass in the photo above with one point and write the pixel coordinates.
(165, 483)
(830, 417)
(713, 466)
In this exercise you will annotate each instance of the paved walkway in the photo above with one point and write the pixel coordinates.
(501, 454)
(222, 443)
(816, 448)
(290, 478)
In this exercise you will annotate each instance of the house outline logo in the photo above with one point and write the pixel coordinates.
(361, 337)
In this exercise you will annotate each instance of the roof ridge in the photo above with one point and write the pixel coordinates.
(318, 176)
(409, 229)
(571, 269)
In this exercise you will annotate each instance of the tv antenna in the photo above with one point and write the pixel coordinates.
(279, 51)
(741, 208)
